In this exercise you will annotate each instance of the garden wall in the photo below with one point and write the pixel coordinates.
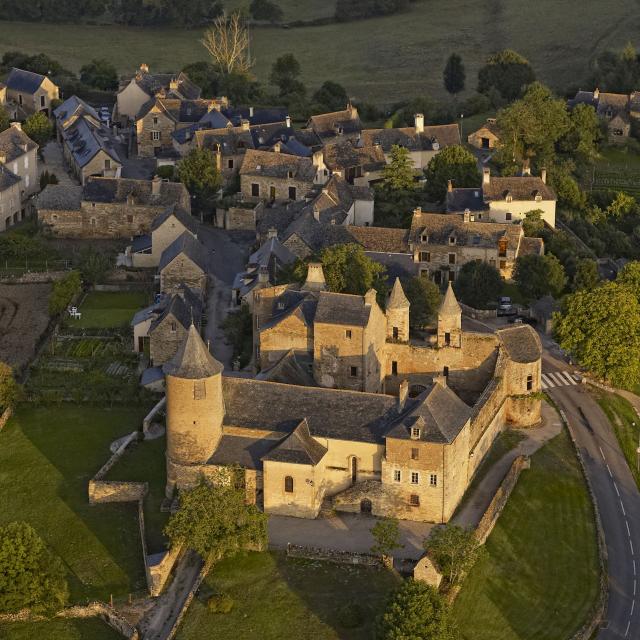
(478, 314)
(4, 418)
(329, 555)
(101, 491)
(101, 610)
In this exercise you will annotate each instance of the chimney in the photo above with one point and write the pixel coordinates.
(277, 147)
(17, 125)
(287, 122)
(526, 169)
(596, 93)
(251, 112)
(272, 233)
(245, 125)
(441, 380)
(417, 211)
(449, 186)
(403, 394)
(318, 159)
(173, 84)
(315, 278)
(144, 67)
(466, 215)
(486, 176)
(419, 120)
(156, 184)
(370, 298)
(543, 175)
(3, 158)
(316, 214)
(263, 275)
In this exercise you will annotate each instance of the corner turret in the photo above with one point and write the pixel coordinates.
(397, 313)
(450, 321)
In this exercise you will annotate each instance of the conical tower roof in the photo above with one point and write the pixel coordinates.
(397, 299)
(193, 360)
(449, 306)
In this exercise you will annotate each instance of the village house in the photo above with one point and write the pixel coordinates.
(337, 125)
(184, 262)
(505, 199)
(31, 92)
(11, 108)
(354, 161)
(10, 198)
(345, 440)
(88, 147)
(108, 207)
(487, 137)
(19, 155)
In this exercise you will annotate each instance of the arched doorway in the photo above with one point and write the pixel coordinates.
(365, 505)
(354, 470)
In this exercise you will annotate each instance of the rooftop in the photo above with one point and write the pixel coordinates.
(193, 360)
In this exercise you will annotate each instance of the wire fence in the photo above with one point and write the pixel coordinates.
(17, 268)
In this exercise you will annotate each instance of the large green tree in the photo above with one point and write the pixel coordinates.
(583, 134)
(453, 163)
(629, 276)
(265, 10)
(586, 275)
(100, 73)
(398, 175)
(601, 329)
(454, 549)
(415, 611)
(531, 126)
(215, 520)
(199, 174)
(285, 73)
(478, 283)
(386, 535)
(39, 128)
(424, 297)
(506, 73)
(454, 74)
(30, 575)
(331, 96)
(537, 276)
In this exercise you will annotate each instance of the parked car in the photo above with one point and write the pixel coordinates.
(505, 307)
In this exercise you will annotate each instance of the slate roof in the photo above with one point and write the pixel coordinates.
(398, 265)
(449, 304)
(277, 165)
(188, 245)
(74, 105)
(141, 243)
(59, 197)
(531, 246)
(153, 83)
(297, 448)
(381, 239)
(184, 218)
(271, 247)
(99, 189)
(24, 81)
(289, 370)
(318, 234)
(15, 143)
(519, 187)
(327, 125)
(213, 119)
(180, 111)
(342, 309)
(462, 198)
(245, 451)
(521, 343)
(7, 178)
(346, 154)
(193, 360)
(330, 413)
(256, 116)
(432, 138)
(294, 302)
(439, 414)
(85, 139)
(232, 140)
(177, 308)
(279, 217)
(397, 298)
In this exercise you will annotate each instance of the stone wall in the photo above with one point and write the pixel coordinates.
(180, 271)
(159, 567)
(154, 121)
(478, 314)
(104, 611)
(280, 185)
(165, 340)
(101, 491)
(329, 555)
(102, 472)
(240, 219)
(4, 418)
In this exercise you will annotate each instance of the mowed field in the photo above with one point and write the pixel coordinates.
(380, 60)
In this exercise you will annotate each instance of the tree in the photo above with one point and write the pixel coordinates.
(205, 76)
(424, 297)
(63, 292)
(5, 120)
(454, 74)
(284, 74)
(30, 576)
(100, 73)
(454, 550)
(583, 134)
(506, 72)
(265, 10)
(10, 390)
(533, 224)
(199, 174)
(537, 276)
(386, 533)
(453, 163)
(39, 128)
(629, 276)
(478, 283)
(586, 276)
(398, 174)
(415, 611)
(601, 329)
(531, 126)
(47, 178)
(215, 520)
(227, 42)
(93, 265)
(621, 206)
(331, 96)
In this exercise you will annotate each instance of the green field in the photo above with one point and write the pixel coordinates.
(106, 309)
(295, 9)
(381, 59)
(618, 169)
(47, 456)
(90, 628)
(539, 576)
(278, 598)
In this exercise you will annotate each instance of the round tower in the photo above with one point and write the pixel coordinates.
(397, 313)
(195, 410)
(450, 321)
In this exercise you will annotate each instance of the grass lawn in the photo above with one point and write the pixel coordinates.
(47, 456)
(618, 169)
(105, 309)
(277, 598)
(296, 10)
(92, 628)
(381, 59)
(145, 462)
(626, 424)
(539, 575)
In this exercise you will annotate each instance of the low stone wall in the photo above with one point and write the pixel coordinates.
(116, 456)
(478, 314)
(101, 491)
(4, 418)
(329, 555)
(497, 504)
(159, 567)
(35, 277)
(104, 611)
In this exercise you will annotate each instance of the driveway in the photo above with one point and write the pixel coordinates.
(54, 163)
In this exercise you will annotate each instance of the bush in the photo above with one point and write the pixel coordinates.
(63, 292)
(220, 603)
(351, 615)
(166, 172)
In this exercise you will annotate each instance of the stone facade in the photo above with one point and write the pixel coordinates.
(182, 271)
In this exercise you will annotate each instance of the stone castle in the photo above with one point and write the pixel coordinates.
(348, 411)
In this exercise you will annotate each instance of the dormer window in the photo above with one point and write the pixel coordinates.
(508, 197)
(452, 239)
(415, 433)
(280, 306)
(424, 238)
(290, 174)
(538, 197)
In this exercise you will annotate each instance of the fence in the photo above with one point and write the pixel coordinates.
(17, 268)
(329, 555)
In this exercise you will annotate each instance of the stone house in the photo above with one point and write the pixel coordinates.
(12, 109)
(19, 155)
(31, 92)
(146, 250)
(616, 109)
(184, 263)
(409, 455)
(337, 125)
(10, 198)
(487, 137)
(108, 207)
(354, 161)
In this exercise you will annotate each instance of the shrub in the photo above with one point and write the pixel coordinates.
(351, 615)
(220, 603)
(166, 172)
(63, 292)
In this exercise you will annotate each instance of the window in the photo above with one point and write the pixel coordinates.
(415, 433)
(155, 135)
(42, 101)
(353, 372)
(255, 190)
(424, 256)
(502, 248)
(414, 500)
(452, 276)
(394, 368)
(107, 164)
(445, 372)
(230, 163)
(452, 239)
(290, 174)
(348, 334)
(395, 332)
(492, 262)
(447, 338)
(529, 382)
(26, 181)
(19, 98)
(508, 216)
(433, 480)
(155, 120)
(130, 219)
(415, 453)
(174, 327)
(288, 484)
(415, 477)
(199, 390)
(452, 258)
(424, 237)
(503, 264)
(509, 198)
(292, 193)
(397, 475)
(93, 222)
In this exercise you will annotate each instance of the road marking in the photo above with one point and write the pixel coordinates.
(545, 382)
(559, 381)
(602, 453)
(631, 545)
(628, 530)
(633, 604)
(626, 633)
(567, 376)
(624, 513)
(615, 486)
(609, 470)
(634, 586)
(634, 567)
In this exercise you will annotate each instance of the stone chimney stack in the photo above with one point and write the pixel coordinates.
(370, 298)
(17, 125)
(263, 275)
(403, 394)
(272, 233)
(526, 169)
(287, 122)
(449, 186)
(245, 125)
(218, 158)
(144, 67)
(315, 278)
(277, 147)
(156, 185)
(318, 158)
(316, 214)
(419, 122)
(466, 216)
(596, 94)
(486, 176)
(543, 175)
(440, 379)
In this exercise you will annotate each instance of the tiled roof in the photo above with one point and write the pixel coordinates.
(432, 138)
(449, 306)
(7, 178)
(60, 197)
(256, 116)
(346, 154)
(193, 360)
(85, 138)
(530, 246)
(521, 343)
(24, 81)
(328, 125)
(343, 309)
(180, 111)
(397, 298)
(14, 143)
(154, 83)
(271, 247)
(231, 139)
(381, 239)
(462, 198)
(297, 448)
(74, 106)
(245, 451)
(98, 189)
(187, 220)
(289, 370)
(277, 165)
(518, 187)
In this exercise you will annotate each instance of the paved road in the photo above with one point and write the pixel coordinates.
(617, 498)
